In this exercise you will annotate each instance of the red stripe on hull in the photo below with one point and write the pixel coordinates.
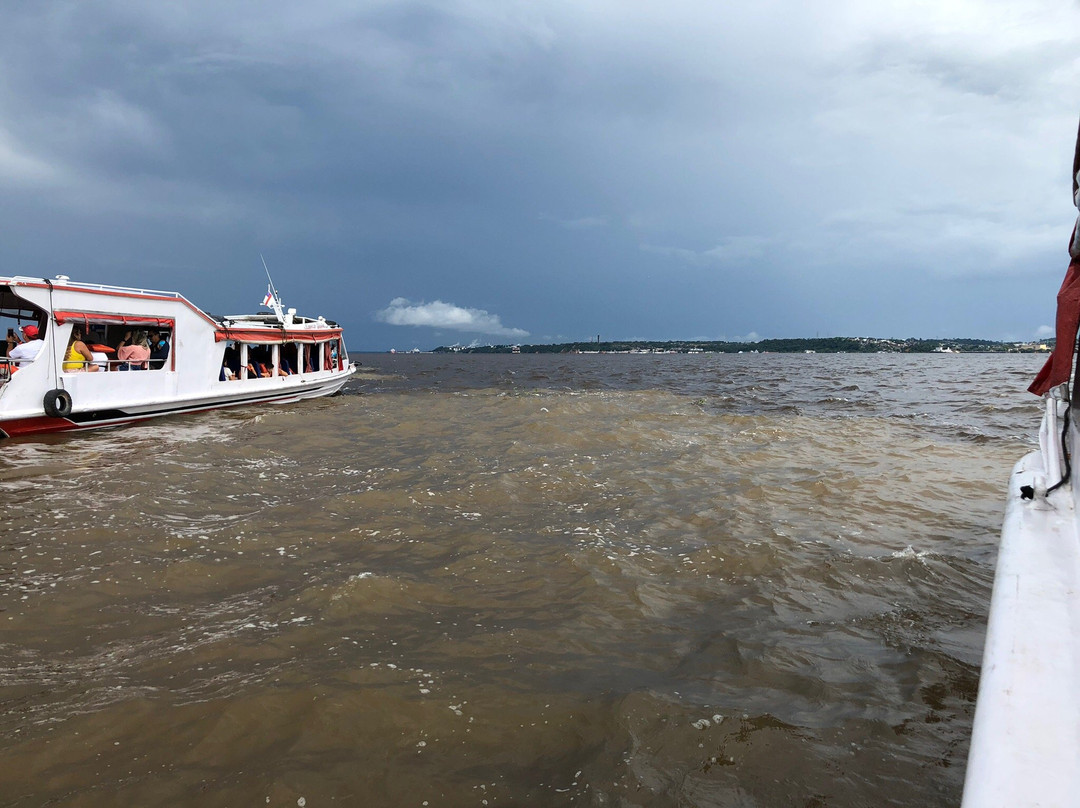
(36, 426)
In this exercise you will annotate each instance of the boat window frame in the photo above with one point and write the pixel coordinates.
(143, 322)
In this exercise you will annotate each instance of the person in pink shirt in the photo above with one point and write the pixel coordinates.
(135, 354)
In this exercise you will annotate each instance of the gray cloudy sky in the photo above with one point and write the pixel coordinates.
(497, 171)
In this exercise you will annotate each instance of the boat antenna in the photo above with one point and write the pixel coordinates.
(275, 298)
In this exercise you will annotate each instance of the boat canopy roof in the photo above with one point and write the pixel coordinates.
(279, 334)
(112, 318)
(266, 328)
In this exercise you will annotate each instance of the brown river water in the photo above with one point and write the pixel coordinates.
(743, 580)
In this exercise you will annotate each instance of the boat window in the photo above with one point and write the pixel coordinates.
(230, 362)
(336, 358)
(260, 362)
(255, 360)
(111, 338)
(292, 357)
(111, 344)
(14, 314)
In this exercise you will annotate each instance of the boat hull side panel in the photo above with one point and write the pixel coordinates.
(98, 418)
(1027, 723)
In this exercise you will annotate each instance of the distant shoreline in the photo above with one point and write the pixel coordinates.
(806, 345)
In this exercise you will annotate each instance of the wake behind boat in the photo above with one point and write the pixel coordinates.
(69, 373)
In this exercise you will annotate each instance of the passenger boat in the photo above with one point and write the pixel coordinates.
(1025, 744)
(203, 362)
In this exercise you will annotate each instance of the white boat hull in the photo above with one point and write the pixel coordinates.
(1025, 746)
(89, 418)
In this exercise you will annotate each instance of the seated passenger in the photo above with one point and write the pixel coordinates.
(135, 355)
(159, 350)
(230, 364)
(263, 362)
(78, 357)
(100, 352)
(27, 350)
(266, 360)
(101, 359)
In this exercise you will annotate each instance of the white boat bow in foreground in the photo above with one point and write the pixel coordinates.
(1025, 745)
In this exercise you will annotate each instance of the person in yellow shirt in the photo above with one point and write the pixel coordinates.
(78, 357)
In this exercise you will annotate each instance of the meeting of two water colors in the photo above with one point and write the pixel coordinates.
(704, 580)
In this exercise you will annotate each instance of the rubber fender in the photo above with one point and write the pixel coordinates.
(58, 403)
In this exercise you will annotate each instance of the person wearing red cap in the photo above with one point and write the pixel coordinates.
(26, 351)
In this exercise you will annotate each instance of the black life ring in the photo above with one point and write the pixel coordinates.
(58, 403)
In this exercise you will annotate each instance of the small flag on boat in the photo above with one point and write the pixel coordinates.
(268, 299)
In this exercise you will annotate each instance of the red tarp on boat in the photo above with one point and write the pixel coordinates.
(1058, 367)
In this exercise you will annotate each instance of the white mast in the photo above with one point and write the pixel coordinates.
(275, 298)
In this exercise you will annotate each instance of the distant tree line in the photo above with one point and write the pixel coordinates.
(816, 344)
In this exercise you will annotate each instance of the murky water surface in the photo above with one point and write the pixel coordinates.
(749, 580)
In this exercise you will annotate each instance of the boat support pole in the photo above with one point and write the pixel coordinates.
(52, 330)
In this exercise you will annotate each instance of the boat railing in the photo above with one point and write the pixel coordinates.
(119, 365)
(9, 367)
(1050, 434)
(94, 287)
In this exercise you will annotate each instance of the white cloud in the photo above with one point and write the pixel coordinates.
(738, 248)
(109, 117)
(18, 165)
(692, 256)
(1044, 332)
(438, 314)
(582, 223)
(963, 240)
(733, 249)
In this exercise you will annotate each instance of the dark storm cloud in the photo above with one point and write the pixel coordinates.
(635, 168)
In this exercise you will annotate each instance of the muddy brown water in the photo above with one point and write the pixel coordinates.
(749, 580)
